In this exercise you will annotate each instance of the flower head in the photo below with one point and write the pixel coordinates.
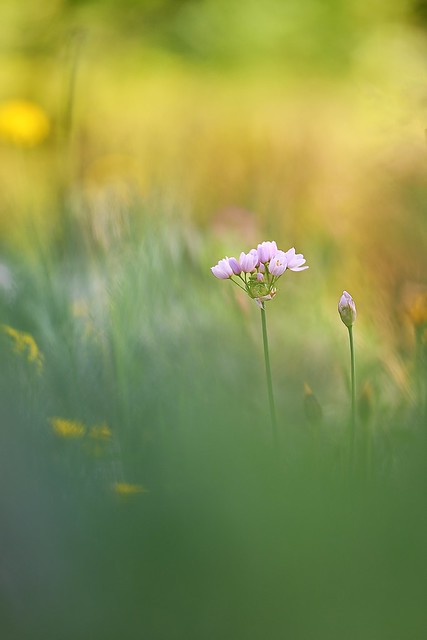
(257, 272)
(347, 309)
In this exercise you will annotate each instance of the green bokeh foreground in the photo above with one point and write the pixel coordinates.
(228, 538)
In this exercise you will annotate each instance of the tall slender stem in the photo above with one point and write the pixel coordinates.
(353, 388)
(269, 381)
(74, 45)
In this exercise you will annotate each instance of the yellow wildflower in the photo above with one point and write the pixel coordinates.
(100, 432)
(74, 429)
(418, 310)
(125, 489)
(24, 343)
(23, 123)
(68, 428)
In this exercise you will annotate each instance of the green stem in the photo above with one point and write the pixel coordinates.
(239, 285)
(269, 381)
(75, 43)
(353, 388)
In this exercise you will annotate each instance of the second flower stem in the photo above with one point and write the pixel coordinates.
(353, 388)
(269, 381)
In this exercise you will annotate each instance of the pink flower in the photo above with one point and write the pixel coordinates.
(235, 266)
(295, 260)
(259, 270)
(248, 261)
(222, 270)
(278, 264)
(266, 251)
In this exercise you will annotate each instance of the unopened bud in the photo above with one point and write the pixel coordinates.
(347, 309)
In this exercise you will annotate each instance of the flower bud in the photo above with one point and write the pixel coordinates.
(347, 309)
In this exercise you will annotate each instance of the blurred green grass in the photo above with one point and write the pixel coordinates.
(224, 542)
(157, 508)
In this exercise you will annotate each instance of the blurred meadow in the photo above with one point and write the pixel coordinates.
(141, 496)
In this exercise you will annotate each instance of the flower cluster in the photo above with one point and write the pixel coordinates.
(259, 270)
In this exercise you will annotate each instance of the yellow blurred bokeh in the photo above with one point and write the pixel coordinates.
(68, 428)
(24, 344)
(23, 123)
